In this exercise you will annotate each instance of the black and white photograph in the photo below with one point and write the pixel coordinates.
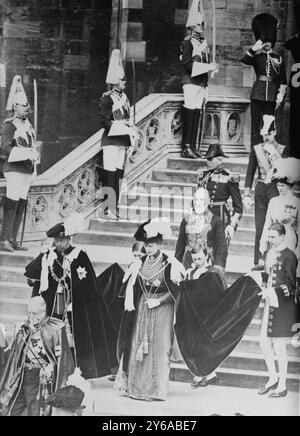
(150, 210)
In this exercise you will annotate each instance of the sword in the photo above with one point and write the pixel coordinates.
(24, 224)
(134, 91)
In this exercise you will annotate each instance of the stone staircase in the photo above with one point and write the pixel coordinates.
(165, 192)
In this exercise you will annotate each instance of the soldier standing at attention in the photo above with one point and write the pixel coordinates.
(262, 158)
(222, 185)
(17, 132)
(196, 60)
(270, 87)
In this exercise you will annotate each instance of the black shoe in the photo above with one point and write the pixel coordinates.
(258, 268)
(112, 378)
(265, 390)
(282, 394)
(18, 247)
(188, 153)
(197, 153)
(6, 247)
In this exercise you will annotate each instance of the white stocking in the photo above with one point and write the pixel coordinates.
(281, 353)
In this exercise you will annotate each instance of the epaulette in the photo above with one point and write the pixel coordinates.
(200, 174)
(106, 94)
(234, 178)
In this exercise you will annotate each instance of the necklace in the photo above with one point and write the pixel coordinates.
(151, 264)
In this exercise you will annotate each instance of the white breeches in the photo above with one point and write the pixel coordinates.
(194, 96)
(114, 157)
(18, 185)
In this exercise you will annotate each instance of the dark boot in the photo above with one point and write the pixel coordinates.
(110, 211)
(16, 225)
(188, 118)
(118, 187)
(195, 131)
(9, 213)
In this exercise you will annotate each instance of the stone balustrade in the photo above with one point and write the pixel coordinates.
(73, 183)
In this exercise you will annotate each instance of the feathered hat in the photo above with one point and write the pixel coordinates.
(115, 70)
(268, 125)
(153, 231)
(285, 171)
(196, 14)
(17, 94)
(264, 27)
(70, 227)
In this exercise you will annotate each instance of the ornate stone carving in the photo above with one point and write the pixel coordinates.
(152, 133)
(39, 212)
(176, 126)
(85, 186)
(234, 127)
(67, 200)
(137, 149)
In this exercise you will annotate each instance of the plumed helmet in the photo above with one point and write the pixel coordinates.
(115, 70)
(17, 94)
(285, 170)
(264, 27)
(196, 14)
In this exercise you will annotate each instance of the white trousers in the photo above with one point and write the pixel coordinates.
(18, 185)
(114, 157)
(194, 96)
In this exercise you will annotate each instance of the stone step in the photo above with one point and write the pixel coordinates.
(12, 274)
(126, 239)
(235, 165)
(179, 176)
(251, 344)
(234, 377)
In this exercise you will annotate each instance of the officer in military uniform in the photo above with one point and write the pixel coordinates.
(270, 87)
(222, 185)
(17, 134)
(262, 158)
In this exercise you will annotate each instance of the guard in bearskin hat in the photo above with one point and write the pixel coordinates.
(270, 87)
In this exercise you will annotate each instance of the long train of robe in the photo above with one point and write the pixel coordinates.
(210, 323)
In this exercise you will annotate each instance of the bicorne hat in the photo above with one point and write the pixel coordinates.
(215, 150)
(70, 227)
(264, 27)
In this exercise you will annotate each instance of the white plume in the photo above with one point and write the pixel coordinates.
(288, 168)
(74, 224)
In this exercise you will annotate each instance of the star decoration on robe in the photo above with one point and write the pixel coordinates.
(82, 273)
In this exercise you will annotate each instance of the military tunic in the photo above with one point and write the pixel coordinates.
(271, 74)
(278, 322)
(223, 185)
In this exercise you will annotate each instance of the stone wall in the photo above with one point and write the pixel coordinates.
(65, 45)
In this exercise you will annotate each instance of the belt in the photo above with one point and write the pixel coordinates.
(32, 366)
(218, 204)
(265, 79)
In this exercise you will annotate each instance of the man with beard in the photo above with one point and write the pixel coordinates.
(66, 279)
(40, 362)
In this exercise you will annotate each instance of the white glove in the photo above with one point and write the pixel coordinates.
(47, 372)
(258, 46)
(248, 203)
(153, 303)
(229, 232)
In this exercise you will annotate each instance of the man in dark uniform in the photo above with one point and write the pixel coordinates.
(196, 60)
(118, 136)
(222, 185)
(17, 134)
(270, 87)
(262, 158)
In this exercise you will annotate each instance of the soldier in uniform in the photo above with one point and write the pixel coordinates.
(16, 132)
(262, 158)
(222, 185)
(196, 60)
(115, 112)
(270, 87)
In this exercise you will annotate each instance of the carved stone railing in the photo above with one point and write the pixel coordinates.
(72, 184)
